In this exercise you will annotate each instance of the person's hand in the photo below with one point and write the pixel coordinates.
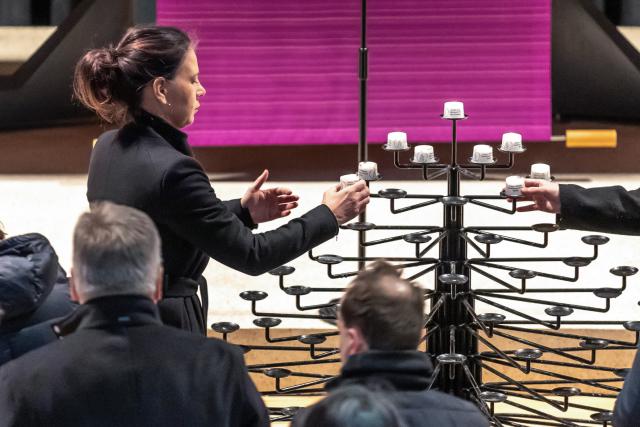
(272, 203)
(545, 196)
(348, 202)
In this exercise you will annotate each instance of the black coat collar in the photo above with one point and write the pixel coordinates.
(173, 136)
(404, 370)
(122, 310)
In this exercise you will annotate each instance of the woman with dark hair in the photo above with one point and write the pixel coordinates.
(149, 84)
(34, 294)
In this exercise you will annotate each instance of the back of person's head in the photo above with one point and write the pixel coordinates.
(2, 233)
(350, 406)
(387, 310)
(116, 251)
(110, 80)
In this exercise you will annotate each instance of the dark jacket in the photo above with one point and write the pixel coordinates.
(148, 165)
(409, 373)
(608, 210)
(627, 408)
(34, 293)
(122, 367)
(605, 209)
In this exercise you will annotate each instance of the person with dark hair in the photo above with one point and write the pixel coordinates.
(380, 320)
(605, 209)
(117, 364)
(351, 406)
(34, 294)
(149, 83)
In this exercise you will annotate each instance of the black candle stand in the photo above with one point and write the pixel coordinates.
(454, 330)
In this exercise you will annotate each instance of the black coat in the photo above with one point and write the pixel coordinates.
(148, 165)
(605, 209)
(122, 367)
(34, 292)
(608, 210)
(409, 374)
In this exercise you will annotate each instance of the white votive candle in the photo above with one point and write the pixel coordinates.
(513, 185)
(423, 154)
(540, 171)
(349, 179)
(482, 154)
(397, 140)
(453, 110)
(511, 141)
(368, 171)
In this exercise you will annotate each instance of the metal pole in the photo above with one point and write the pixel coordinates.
(362, 141)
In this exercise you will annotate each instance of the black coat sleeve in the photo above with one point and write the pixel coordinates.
(605, 209)
(236, 208)
(191, 208)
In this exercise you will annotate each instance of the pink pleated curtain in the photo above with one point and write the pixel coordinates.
(285, 71)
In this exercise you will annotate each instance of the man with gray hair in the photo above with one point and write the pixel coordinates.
(117, 364)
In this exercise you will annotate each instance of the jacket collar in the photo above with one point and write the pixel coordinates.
(121, 310)
(404, 370)
(173, 136)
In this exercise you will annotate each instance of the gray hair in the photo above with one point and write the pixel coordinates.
(116, 251)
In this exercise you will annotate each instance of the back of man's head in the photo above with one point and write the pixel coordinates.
(387, 309)
(116, 251)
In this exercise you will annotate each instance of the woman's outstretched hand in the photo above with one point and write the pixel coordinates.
(269, 204)
(348, 202)
(545, 196)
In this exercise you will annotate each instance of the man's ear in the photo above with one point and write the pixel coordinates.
(157, 293)
(159, 90)
(357, 343)
(72, 286)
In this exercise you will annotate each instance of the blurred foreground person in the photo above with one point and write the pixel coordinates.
(34, 294)
(117, 364)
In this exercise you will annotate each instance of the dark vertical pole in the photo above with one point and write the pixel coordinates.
(362, 141)
(453, 254)
(40, 12)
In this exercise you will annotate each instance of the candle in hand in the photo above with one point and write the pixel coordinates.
(349, 179)
(513, 186)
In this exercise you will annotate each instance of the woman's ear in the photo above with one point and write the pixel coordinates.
(159, 89)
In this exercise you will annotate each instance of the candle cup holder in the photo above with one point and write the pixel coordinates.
(386, 147)
(454, 119)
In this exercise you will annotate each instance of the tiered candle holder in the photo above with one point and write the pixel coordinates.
(459, 339)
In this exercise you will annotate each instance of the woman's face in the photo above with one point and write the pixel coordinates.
(183, 92)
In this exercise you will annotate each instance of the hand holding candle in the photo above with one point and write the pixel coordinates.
(545, 196)
(348, 202)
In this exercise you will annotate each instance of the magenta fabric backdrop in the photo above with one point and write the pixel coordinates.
(285, 71)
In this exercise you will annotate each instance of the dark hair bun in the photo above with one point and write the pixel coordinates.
(109, 80)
